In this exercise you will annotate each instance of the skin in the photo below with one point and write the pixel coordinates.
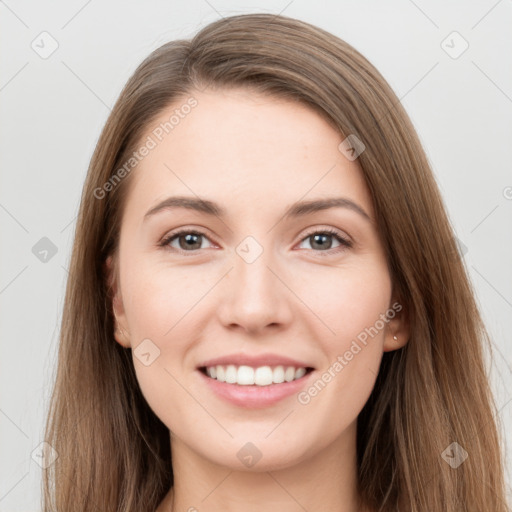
(254, 155)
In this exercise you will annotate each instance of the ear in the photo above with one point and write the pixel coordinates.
(398, 326)
(121, 332)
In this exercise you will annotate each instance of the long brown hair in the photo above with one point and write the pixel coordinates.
(114, 452)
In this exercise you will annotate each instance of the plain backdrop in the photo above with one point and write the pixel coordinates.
(63, 64)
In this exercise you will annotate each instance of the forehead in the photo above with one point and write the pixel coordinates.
(237, 146)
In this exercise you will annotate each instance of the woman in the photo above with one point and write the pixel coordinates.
(266, 308)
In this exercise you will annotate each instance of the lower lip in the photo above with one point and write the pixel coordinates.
(255, 396)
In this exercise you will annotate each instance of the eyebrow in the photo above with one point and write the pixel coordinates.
(297, 209)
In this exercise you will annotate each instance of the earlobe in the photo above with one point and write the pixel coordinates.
(121, 336)
(395, 341)
(397, 331)
(121, 333)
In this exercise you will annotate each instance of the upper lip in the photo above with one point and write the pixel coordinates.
(254, 361)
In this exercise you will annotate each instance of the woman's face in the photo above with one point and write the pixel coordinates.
(258, 286)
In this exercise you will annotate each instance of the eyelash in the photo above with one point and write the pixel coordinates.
(345, 243)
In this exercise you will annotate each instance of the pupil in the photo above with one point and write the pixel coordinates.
(321, 245)
(189, 238)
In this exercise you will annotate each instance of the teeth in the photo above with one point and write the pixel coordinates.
(245, 375)
(231, 374)
(300, 373)
(289, 374)
(220, 374)
(248, 376)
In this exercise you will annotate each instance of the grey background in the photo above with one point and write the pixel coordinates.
(53, 108)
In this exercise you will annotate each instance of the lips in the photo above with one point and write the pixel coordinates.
(255, 361)
(258, 395)
(274, 378)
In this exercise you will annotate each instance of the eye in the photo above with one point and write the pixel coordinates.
(188, 240)
(321, 239)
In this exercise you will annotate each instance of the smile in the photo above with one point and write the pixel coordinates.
(260, 376)
(243, 394)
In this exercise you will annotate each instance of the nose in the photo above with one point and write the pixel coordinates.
(255, 295)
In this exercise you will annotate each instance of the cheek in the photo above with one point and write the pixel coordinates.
(350, 304)
(160, 301)
(346, 300)
(163, 307)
